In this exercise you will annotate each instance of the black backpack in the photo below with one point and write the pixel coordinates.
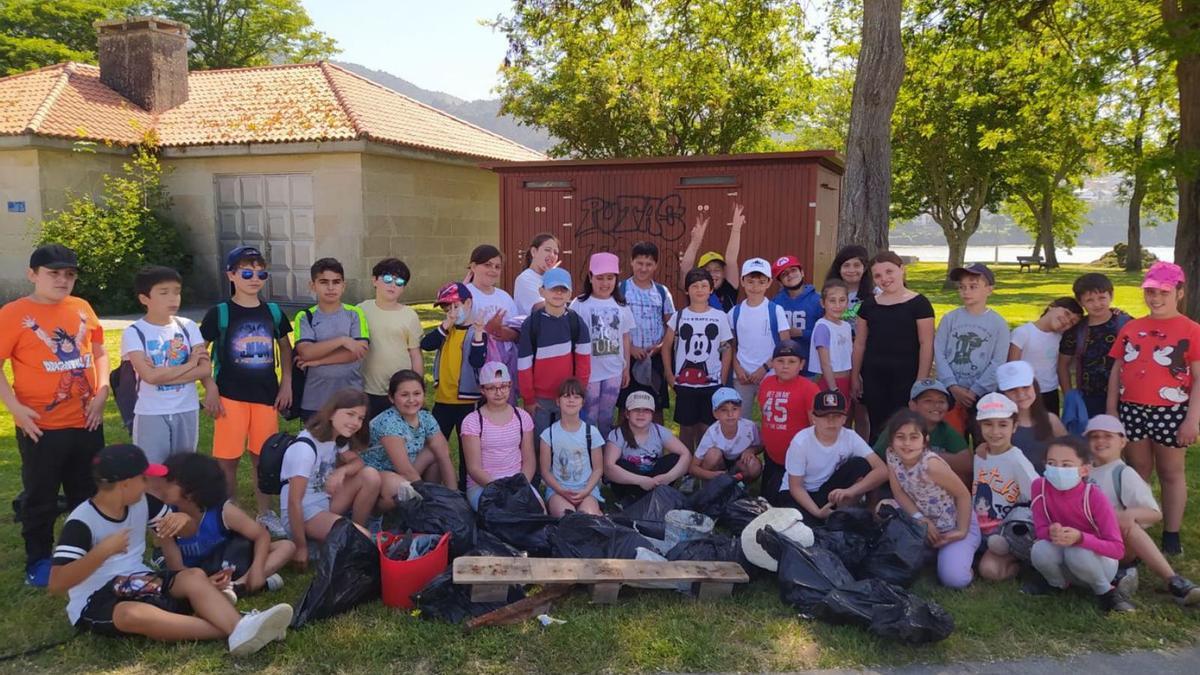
(270, 460)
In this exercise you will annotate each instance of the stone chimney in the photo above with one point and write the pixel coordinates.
(145, 60)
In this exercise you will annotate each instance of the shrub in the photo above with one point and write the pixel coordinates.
(119, 232)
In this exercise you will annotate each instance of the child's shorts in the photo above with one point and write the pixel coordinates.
(595, 492)
(1159, 423)
(160, 436)
(693, 405)
(151, 588)
(244, 425)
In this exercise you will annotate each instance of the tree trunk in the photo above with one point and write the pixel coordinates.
(1133, 250)
(1045, 220)
(867, 183)
(1182, 19)
(956, 241)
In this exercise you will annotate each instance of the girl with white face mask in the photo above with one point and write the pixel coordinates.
(1078, 535)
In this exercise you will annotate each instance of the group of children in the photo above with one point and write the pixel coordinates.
(533, 385)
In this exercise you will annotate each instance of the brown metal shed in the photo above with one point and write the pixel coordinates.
(791, 204)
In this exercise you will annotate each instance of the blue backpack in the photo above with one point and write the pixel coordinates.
(771, 307)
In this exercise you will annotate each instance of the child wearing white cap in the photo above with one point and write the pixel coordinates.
(1036, 426)
(497, 438)
(758, 324)
(1136, 510)
(732, 444)
(1003, 476)
(641, 454)
(602, 308)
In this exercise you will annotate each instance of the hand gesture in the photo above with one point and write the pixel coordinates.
(334, 482)
(25, 419)
(114, 543)
(300, 557)
(221, 579)
(739, 218)
(757, 376)
(825, 511)
(841, 497)
(699, 228)
(1188, 431)
(949, 537)
(646, 483)
(495, 324)
(212, 403)
(356, 347)
(94, 413)
(965, 397)
(172, 524)
(933, 537)
(283, 400)
(637, 353)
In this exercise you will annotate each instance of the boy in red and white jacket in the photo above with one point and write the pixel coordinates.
(1078, 535)
(554, 345)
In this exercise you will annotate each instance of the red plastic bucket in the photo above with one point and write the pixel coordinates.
(402, 578)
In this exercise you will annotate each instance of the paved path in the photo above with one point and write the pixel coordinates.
(1183, 661)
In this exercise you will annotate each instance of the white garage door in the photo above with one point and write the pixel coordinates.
(273, 212)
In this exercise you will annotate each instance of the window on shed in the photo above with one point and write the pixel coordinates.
(706, 181)
(547, 185)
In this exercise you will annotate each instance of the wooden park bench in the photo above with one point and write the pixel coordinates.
(489, 577)
(1028, 261)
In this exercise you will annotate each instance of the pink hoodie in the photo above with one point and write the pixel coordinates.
(1101, 532)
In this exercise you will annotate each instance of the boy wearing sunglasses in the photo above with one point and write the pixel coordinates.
(331, 339)
(241, 334)
(396, 330)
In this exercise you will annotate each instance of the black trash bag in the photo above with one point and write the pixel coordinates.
(738, 513)
(439, 510)
(850, 547)
(899, 553)
(716, 495)
(443, 600)
(806, 575)
(347, 575)
(858, 520)
(712, 548)
(648, 515)
(887, 611)
(509, 509)
(581, 535)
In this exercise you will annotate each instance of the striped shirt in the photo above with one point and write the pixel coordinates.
(499, 445)
(546, 355)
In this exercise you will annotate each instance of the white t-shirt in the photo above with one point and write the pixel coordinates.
(527, 291)
(300, 460)
(485, 305)
(698, 339)
(1040, 350)
(169, 345)
(838, 338)
(1135, 492)
(746, 436)
(807, 457)
(755, 344)
(1002, 482)
(608, 323)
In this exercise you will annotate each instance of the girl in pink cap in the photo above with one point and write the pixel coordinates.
(1154, 391)
(610, 323)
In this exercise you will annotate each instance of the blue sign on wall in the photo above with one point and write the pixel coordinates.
(16, 207)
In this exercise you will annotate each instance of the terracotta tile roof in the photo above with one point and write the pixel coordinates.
(273, 104)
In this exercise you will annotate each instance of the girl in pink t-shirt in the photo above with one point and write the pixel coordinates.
(497, 437)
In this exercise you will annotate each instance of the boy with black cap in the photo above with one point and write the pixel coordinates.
(242, 333)
(56, 397)
(972, 340)
(931, 400)
(98, 564)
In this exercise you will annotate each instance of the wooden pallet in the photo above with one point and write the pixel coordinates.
(490, 577)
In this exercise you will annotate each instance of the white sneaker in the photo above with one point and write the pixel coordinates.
(231, 594)
(274, 582)
(274, 525)
(258, 629)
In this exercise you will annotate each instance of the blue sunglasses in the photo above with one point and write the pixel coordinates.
(249, 274)
(393, 280)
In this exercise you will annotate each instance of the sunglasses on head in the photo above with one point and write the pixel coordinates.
(249, 274)
(393, 280)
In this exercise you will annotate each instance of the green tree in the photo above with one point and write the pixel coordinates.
(36, 33)
(1181, 19)
(239, 33)
(627, 78)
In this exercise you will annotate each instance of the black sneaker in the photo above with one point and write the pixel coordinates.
(1184, 591)
(1171, 545)
(1037, 585)
(1113, 601)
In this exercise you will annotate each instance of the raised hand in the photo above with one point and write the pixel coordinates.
(739, 217)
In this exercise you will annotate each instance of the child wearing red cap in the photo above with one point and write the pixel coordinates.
(801, 304)
(1153, 388)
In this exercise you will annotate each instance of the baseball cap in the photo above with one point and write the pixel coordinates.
(788, 348)
(53, 256)
(711, 256)
(725, 395)
(975, 268)
(639, 400)
(829, 402)
(494, 372)
(928, 384)
(1104, 423)
(556, 278)
(1013, 374)
(784, 263)
(242, 254)
(994, 407)
(453, 292)
(1162, 275)
(756, 266)
(124, 461)
(604, 263)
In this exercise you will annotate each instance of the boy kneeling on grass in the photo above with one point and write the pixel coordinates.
(1136, 510)
(98, 564)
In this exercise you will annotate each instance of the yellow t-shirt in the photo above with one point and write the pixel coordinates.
(393, 333)
(450, 367)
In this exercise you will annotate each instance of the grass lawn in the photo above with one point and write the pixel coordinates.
(646, 630)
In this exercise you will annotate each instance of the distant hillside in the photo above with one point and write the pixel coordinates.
(482, 113)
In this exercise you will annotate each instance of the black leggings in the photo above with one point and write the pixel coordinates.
(625, 492)
(886, 389)
(850, 472)
(449, 417)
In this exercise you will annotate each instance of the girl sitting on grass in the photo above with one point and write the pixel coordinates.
(572, 456)
(498, 437)
(406, 443)
(641, 454)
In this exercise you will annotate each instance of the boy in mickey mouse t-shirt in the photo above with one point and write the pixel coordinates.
(697, 347)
